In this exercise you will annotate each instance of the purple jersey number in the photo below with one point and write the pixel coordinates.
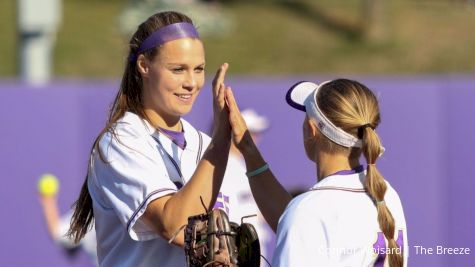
(222, 202)
(380, 247)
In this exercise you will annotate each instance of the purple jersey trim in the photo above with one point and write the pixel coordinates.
(222, 202)
(145, 201)
(177, 137)
(357, 169)
(354, 190)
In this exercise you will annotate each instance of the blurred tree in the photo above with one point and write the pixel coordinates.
(374, 20)
(209, 17)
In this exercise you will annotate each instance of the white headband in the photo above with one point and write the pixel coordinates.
(302, 96)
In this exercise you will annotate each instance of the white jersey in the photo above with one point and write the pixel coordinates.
(335, 224)
(141, 166)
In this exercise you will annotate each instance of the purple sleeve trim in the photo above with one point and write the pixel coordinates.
(170, 190)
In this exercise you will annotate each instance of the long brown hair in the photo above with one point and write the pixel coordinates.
(128, 98)
(354, 108)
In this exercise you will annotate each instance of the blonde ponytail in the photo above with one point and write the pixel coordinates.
(376, 188)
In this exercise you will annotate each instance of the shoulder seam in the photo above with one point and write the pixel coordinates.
(353, 190)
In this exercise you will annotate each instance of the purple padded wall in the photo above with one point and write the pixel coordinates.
(427, 129)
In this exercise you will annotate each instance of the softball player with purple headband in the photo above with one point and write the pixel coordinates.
(351, 216)
(149, 168)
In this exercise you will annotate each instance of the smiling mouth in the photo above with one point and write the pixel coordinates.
(184, 96)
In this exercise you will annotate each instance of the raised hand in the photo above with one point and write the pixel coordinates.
(220, 110)
(218, 84)
(238, 125)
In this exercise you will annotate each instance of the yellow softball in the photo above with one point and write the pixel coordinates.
(48, 185)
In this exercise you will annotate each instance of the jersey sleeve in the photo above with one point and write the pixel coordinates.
(130, 175)
(301, 240)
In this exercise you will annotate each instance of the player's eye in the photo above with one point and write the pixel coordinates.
(199, 69)
(178, 69)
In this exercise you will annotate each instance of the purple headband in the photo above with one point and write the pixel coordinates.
(166, 34)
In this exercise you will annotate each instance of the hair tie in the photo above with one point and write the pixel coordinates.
(382, 202)
(362, 128)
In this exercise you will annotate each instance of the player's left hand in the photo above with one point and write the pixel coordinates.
(239, 128)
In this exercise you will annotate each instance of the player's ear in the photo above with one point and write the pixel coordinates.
(312, 128)
(143, 65)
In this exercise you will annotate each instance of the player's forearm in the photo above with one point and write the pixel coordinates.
(271, 197)
(51, 214)
(203, 185)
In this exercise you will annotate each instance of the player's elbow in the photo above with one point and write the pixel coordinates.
(164, 221)
(175, 237)
(171, 230)
(168, 231)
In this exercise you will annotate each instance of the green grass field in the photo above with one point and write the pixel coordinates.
(274, 38)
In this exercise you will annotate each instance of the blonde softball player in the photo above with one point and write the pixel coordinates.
(351, 216)
(149, 168)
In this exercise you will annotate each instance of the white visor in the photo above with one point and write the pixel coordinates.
(302, 96)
